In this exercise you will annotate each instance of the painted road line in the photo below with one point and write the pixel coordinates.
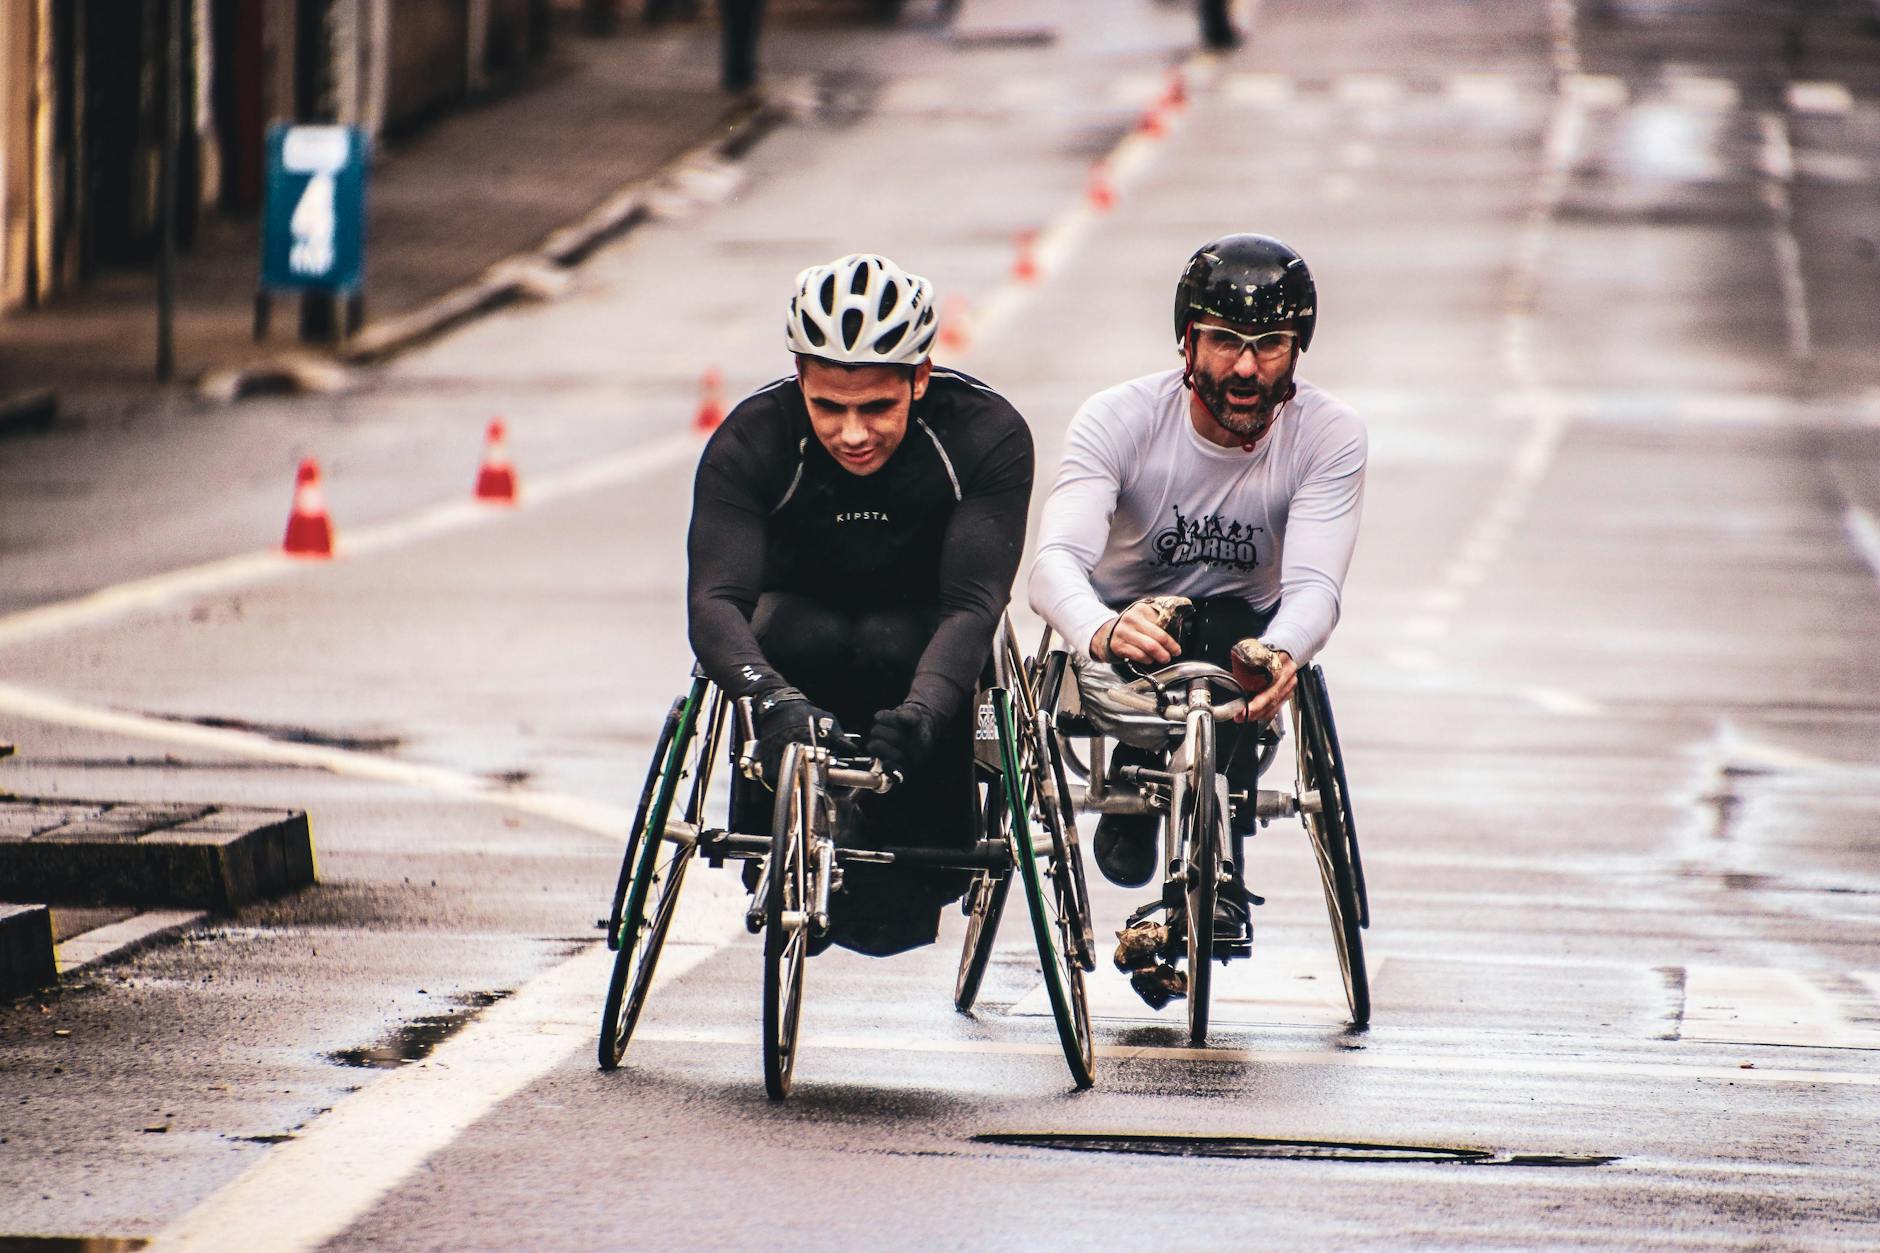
(103, 943)
(1778, 165)
(1598, 91)
(1820, 97)
(303, 1193)
(1375, 1056)
(1863, 532)
(1490, 91)
(247, 569)
(1257, 89)
(1763, 1005)
(1698, 92)
(1292, 986)
(1367, 89)
(599, 817)
(1064, 235)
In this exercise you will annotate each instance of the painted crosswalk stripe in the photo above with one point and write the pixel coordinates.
(1820, 97)
(1257, 88)
(1701, 92)
(1598, 91)
(1495, 91)
(1766, 1005)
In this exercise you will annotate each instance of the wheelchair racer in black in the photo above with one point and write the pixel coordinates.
(855, 531)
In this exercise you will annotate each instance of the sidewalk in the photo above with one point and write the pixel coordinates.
(489, 182)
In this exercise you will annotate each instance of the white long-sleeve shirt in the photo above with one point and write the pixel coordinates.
(1144, 506)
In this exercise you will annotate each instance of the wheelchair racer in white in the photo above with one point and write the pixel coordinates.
(1211, 512)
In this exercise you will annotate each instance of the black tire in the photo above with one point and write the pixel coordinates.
(1072, 864)
(1331, 846)
(652, 875)
(1201, 850)
(1055, 923)
(985, 906)
(786, 925)
(1323, 696)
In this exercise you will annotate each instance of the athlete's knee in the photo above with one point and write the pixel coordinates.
(799, 634)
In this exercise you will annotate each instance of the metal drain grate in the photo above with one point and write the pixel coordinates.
(1177, 1145)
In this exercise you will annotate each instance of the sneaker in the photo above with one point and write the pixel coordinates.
(1125, 846)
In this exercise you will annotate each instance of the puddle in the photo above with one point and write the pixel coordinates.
(68, 1244)
(1178, 1145)
(416, 1039)
(292, 734)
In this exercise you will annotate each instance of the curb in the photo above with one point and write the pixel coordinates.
(27, 960)
(206, 857)
(539, 273)
(33, 411)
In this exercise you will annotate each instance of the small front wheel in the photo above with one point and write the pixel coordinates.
(985, 905)
(1201, 847)
(786, 921)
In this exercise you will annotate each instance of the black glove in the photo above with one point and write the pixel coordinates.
(903, 736)
(785, 717)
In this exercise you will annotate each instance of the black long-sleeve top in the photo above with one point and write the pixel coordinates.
(940, 526)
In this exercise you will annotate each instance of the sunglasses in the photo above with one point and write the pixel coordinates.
(1266, 345)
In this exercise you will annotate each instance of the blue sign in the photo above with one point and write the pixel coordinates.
(313, 222)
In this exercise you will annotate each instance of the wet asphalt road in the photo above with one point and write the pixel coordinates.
(1600, 279)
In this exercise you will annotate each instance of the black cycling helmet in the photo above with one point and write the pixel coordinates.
(1249, 279)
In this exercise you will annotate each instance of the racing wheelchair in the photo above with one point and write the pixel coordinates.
(1175, 709)
(1024, 831)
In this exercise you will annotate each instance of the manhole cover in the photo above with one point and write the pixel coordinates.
(1176, 1145)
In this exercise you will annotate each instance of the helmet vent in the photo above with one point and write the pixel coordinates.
(888, 341)
(890, 293)
(813, 333)
(828, 294)
(852, 327)
(858, 282)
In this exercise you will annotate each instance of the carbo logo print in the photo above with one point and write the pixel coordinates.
(1205, 541)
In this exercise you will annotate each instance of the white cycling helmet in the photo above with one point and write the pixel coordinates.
(862, 309)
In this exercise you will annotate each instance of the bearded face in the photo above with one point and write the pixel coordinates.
(1241, 391)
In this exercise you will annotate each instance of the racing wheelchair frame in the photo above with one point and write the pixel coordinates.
(1024, 825)
(1177, 707)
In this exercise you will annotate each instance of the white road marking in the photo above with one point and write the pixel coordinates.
(1863, 531)
(1820, 97)
(1291, 986)
(1262, 89)
(91, 947)
(1559, 701)
(577, 811)
(246, 569)
(1375, 1056)
(1715, 94)
(1762, 1005)
(1598, 91)
(1367, 89)
(1778, 164)
(1491, 91)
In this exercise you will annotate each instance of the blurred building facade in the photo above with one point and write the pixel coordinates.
(84, 93)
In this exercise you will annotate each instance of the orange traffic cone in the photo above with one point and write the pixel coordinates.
(1102, 195)
(711, 409)
(954, 334)
(1152, 123)
(309, 530)
(1176, 97)
(496, 481)
(1025, 266)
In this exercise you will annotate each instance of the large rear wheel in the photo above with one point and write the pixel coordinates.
(1326, 813)
(651, 875)
(1042, 853)
(786, 918)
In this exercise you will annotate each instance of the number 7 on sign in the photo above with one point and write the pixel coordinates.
(313, 226)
